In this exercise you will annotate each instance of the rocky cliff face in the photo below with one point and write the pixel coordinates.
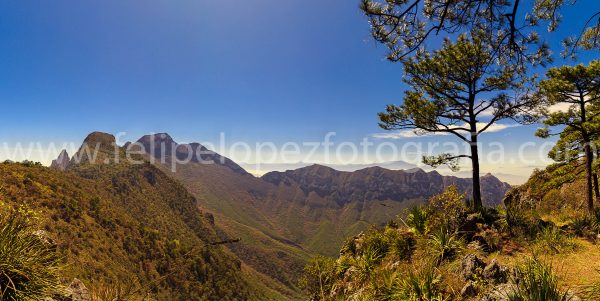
(61, 162)
(379, 184)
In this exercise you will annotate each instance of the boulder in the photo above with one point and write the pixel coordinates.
(494, 273)
(469, 290)
(76, 291)
(469, 266)
(501, 292)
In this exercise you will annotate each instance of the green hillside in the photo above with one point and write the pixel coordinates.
(120, 225)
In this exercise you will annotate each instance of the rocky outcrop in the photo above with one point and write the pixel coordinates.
(76, 291)
(62, 161)
(473, 268)
(470, 267)
(97, 148)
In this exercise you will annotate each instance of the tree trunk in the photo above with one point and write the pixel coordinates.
(596, 188)
(589, 156)
(588, 170)
(476, 181)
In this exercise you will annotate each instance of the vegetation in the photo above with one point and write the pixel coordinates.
(29, 265)
(126, 224)
(429, 267)
(537, 282)
(578, 87)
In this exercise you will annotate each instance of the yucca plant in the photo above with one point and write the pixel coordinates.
(367, 262)
(537, 282)
(28, 267)
(553, 240)
(444, 245)
(417, 219)
(422, 285)
(389, 286)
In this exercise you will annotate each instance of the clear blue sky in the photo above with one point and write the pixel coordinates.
(259, 70)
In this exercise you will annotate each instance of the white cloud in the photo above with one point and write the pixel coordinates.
(496, 127)
(559, 107)
(402, 134)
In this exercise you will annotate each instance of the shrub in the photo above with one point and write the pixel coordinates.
(444, 245)
(422, 284)
(537, 283)
(417, 219)
(28, 266)
(367, 262)
(318, 277)
(553, 240)
(400, 244)
(448, 209)
(583, 225)
(389, 286)
(521, 222)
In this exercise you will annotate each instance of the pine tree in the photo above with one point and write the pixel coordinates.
(459, 90)
(579, 88)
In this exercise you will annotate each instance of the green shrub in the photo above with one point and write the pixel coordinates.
(401, 244)
(417, 219)
(422, 285)
(389, 287)
(28, 266)
(537, 282)
(318, 277)
(553, 240)
(522, 222)
(367, 262)
(448, 209)
(444, 245)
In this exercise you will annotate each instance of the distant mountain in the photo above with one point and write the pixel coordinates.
(262, 168)
(322, 206)
(161, 146)
(380, 184)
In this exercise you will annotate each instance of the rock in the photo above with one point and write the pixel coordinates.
(78, 291)
(572, 297)
(45, 238)
(494, 273)
(470, 225)
(62, 162)
(469, 266)
(468, 290)
(501, 292)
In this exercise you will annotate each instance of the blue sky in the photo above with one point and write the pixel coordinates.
(259, 70)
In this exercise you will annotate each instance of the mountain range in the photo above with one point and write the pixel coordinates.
(282, 218)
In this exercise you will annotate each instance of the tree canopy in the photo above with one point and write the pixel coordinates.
(405, 25)
(579, 88)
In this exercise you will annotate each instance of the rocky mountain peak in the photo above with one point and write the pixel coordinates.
(100, 138)
(62, 161)
(157, 139)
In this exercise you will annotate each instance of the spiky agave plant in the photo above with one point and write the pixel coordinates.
(28, 266)
(417, 219)
(422, 284)
(444, 245)
(537, 282)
